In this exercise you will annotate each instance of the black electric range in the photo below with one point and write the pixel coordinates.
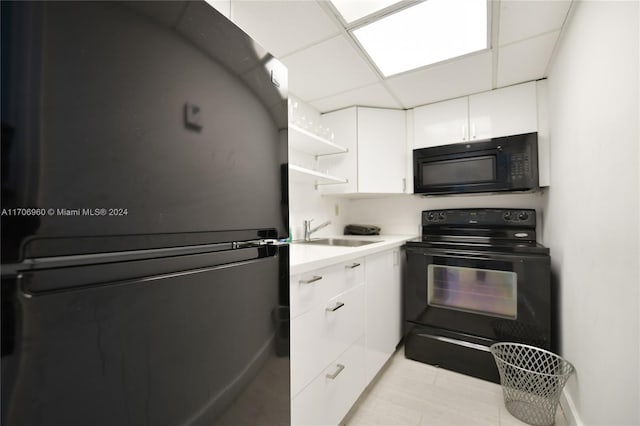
(476, 277)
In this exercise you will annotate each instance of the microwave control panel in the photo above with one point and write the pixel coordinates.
(520, 167)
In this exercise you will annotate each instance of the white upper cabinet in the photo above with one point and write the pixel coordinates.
(381, 151)
(502, 112)
(376, 157)
(508, 111)
(441, 123)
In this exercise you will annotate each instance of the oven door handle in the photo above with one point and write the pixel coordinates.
(469, 345)
(464, 255)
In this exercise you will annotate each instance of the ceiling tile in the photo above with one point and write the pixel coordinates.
(374, 95)
(282, 27)
(526, 60)
(471, 74)
(523, 19)
(327, 68)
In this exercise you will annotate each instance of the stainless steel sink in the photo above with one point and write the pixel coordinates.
(342, 242)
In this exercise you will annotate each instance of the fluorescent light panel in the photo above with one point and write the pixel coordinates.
(429, 32)
(352, 10)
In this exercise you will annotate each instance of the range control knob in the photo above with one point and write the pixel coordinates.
(523, 216)
(507, 216)
(431, 216)
(442, 215)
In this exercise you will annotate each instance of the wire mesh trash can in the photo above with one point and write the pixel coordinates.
(532, 380)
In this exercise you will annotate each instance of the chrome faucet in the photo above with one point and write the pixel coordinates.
(308, 230)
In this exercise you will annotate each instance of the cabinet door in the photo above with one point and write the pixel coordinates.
(383, 314)
(322, 334)
(313, 288)
(508, 111)
(328, 398)
(441, 123)
(381, 151)
(343, 123)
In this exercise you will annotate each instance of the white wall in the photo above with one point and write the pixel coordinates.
(401, 214)
(306, 203)
(592, 207)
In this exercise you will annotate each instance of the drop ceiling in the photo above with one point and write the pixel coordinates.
(329, 70)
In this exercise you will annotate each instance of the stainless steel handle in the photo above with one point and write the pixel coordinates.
(311, 280)
(469, 345)
(337, 306)
(339, 368)
(353, 265)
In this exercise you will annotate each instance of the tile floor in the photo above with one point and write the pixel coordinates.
(408, 392)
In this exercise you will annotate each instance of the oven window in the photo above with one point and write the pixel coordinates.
(484, 291)
(465, 170)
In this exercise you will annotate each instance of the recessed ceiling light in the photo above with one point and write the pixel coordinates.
(429, 32)
(352, 10)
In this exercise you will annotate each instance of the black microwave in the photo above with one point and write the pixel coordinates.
(507, 163)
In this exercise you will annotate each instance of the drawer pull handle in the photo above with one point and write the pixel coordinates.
(337, 306)
(311, 280)
(339, 368)
(352, 266)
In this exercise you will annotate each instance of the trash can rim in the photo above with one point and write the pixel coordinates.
(500, 344)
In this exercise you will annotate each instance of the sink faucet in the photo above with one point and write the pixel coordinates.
(308, 230)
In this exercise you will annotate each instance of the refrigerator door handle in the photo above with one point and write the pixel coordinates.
(253, 243)
(69, 278)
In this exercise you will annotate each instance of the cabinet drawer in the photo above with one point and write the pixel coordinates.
(330, 396)
(322, 334)
(314, 288)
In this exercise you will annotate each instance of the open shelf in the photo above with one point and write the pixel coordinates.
(302, 174)
(304, 141)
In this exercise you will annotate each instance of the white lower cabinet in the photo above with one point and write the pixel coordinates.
(315, 287)
(319, 336)
(331, 394)
(383, 307)
(345, 324)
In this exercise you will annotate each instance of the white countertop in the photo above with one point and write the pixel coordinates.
(306, 257)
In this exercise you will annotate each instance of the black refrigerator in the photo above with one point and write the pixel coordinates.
(144, 209)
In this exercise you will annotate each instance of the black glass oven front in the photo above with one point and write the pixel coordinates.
(458, 302)
(494, 296)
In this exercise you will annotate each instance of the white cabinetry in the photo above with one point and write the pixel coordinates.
(345, 324)
(440, 124)
(381, 151)
(376, 141)
(383, 309)
(502, 112)
(508, 111)
(330, 396)
(327, 338)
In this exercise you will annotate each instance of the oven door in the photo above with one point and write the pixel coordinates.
(494, 296)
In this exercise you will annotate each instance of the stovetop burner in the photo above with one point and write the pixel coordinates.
(503, 230)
